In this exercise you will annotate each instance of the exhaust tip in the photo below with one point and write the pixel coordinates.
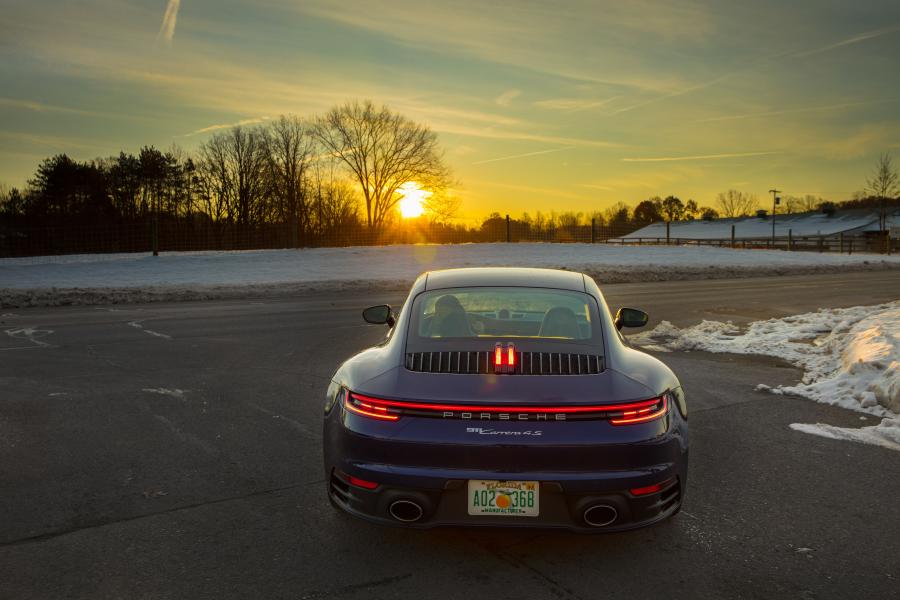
(406, 511)
(600, 515)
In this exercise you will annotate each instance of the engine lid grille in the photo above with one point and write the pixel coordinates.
(526, 363)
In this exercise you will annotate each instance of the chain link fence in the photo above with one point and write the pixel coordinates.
(182, 237)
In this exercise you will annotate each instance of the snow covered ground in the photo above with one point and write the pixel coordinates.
(195, 275)
(850, 358)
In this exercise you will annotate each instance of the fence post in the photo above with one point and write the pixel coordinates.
(732, 236)
(593, 232)
(850, 249)
(154, 234)
(507, 229)
(667, 233)
(842, 242)
(790, 239)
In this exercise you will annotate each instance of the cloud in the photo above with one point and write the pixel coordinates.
(167, 28)
(240, 123)
(491, 160)
(758, 62)
(791, 111)
(676, 93)
(699, 157)
(573, 103)
(862, 37)
(506, 98)
(493, 134)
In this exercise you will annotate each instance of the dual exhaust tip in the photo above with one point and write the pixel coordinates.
(410, 511)
(600, 515)
(406, 511)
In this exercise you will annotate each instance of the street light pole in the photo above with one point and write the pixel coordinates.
(775, 200)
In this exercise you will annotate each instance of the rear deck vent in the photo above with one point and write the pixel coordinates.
(527, 363)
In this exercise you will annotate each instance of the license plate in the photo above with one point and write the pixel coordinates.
(506, 498)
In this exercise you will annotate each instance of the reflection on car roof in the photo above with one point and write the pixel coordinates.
(505, 277)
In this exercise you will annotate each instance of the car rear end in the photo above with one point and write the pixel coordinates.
(506, 430)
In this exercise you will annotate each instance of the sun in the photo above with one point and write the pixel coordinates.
(413, 197)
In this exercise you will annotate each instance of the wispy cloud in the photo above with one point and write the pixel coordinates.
(675, 94)
(792, 111)
(492, 134)
(862, 37)
(526, 154)
(757, 62)
(167, 28)
(240, 123)
(573, 104)
(506, 98)
(699, 157)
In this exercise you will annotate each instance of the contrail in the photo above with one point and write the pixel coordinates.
(699, 157)
(791, 111)
(167, 29)
(490, 160)
(852, 40)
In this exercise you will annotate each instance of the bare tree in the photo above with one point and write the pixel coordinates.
(214, 177)
(734, 203)
(807, 203)
(441, 206)
(883, 184)
(383, 150)
(233, 168)
(289, 152)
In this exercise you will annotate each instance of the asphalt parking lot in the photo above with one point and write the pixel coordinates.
(173, 451)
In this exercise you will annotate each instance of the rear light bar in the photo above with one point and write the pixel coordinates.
(617, 414)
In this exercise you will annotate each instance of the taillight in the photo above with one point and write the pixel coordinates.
(650, 489)
(641, 412)
(369, 485)
(363, 483)
(369, 407)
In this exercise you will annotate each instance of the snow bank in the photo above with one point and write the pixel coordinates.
(196, 275)
(885, 434)
(850, 358)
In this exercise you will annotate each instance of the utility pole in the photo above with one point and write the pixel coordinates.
(776, 200)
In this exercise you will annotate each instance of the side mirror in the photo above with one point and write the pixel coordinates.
(379, 315)
(631, 317)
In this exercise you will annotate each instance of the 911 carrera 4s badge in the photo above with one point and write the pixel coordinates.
(489, 431)
(505, 498)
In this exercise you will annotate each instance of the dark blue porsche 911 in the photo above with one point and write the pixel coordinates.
(506, 397)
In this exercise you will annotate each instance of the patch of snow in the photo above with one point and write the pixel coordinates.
(31, 334)
(139, 325)
(174, 392)
(886, 434)
(110, 278)
(850, 358)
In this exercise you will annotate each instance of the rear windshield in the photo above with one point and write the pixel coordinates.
(513, 312)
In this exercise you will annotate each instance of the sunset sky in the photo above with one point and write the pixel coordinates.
(539, 105)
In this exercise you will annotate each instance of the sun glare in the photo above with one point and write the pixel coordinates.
(413, 197)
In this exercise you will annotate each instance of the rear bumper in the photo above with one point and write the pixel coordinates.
(560, 506)
(579, 464)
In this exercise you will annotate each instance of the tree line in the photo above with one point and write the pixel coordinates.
(341, 170)
(331, 178)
